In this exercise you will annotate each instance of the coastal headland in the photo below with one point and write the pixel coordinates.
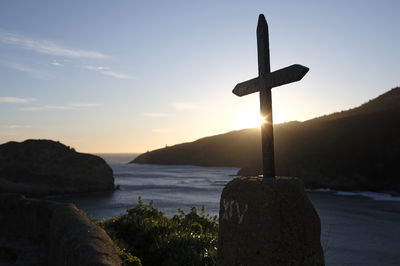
(43, 167)
(356, 149)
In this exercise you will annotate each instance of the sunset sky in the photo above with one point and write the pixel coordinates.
(132, 76)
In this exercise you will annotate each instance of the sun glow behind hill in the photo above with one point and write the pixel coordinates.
(249, 117)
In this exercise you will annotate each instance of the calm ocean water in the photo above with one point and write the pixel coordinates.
(170, 187)
(358, 228)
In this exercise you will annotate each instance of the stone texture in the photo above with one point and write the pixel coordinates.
(43, 232)
(268, 222)
(22, 251)
(42, 167)
(75, 240)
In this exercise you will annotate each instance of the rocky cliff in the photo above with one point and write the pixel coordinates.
(42, 167)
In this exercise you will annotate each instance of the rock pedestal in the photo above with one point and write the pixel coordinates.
(268, 222)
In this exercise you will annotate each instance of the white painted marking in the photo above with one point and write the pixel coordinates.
(228, 208)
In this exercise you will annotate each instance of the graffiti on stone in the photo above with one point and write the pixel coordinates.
(231, 207)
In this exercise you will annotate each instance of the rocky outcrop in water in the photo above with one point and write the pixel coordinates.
(43, 167)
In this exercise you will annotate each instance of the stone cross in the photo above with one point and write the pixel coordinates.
(265, 81)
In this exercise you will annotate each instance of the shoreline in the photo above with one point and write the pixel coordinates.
(373, 195)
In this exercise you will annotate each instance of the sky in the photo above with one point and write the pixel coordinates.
(131, 76)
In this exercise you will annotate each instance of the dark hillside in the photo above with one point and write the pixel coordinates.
(385, 102)
(354, 149)
(219, 150)
(43, 167)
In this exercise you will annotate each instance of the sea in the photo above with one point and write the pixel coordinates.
(358, 228)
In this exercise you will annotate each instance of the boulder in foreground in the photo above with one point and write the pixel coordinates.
(41, 232)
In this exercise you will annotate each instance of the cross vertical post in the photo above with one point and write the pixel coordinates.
(265, 81)
(264, 68)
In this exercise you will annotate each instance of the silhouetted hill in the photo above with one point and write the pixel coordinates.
(41, 167)
(354, 149)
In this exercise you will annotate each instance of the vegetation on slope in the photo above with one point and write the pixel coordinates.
(144, 232)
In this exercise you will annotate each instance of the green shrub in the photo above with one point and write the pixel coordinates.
(128, 259)
(185, 239)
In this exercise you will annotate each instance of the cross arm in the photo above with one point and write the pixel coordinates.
(247, 87)
(274, 79)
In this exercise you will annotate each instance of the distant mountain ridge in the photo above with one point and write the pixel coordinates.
(356, 149)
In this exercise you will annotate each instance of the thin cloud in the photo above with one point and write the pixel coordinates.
(46, 107)
(96, 68)
(116, 75)
(69, 106)
(83, 105)
(16, 100)
(185, 106)
(47, 47)
(33, 72)
(16, 126)
(55, 63)
(156, 114)
(108, 72)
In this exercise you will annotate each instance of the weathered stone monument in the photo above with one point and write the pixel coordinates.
(268, 220)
